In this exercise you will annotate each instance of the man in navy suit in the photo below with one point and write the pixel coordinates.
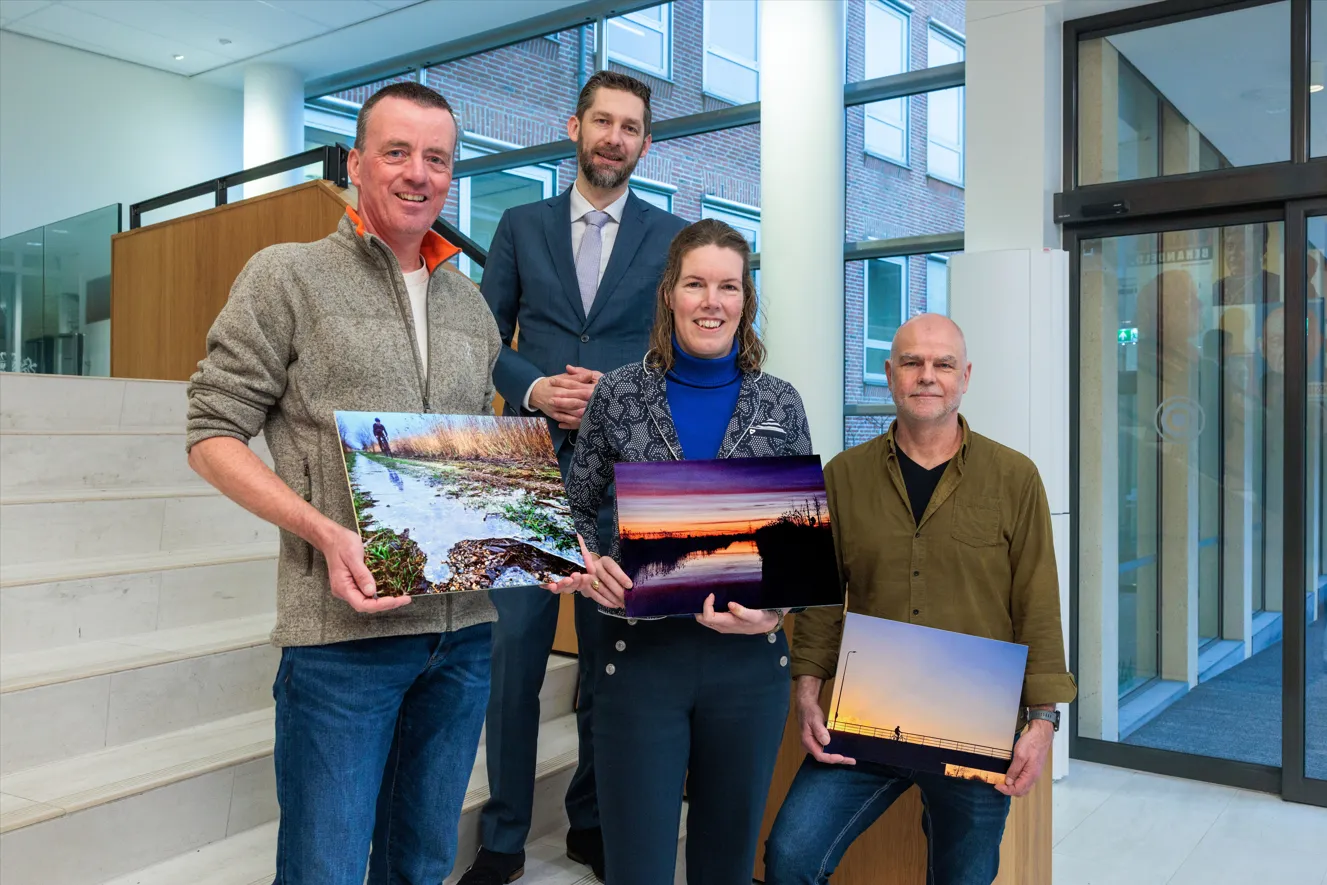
(578, 274)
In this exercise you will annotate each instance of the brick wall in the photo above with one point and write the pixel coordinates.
(524, 93)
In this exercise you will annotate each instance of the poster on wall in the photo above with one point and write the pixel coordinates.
(755, 531)
(456, 503)
(926, 699)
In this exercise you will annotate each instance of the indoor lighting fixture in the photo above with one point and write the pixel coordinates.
(179, 58)
(1315, 76)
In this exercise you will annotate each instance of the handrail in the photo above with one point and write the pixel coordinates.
(919, 739)
(333, 158)
(452, 234)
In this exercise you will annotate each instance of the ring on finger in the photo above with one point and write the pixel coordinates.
(594, 585)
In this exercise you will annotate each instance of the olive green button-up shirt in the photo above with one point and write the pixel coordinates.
(981, 561)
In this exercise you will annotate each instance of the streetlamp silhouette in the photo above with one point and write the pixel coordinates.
(838, 706)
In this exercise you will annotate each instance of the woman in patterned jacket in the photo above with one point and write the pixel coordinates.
(700, 701)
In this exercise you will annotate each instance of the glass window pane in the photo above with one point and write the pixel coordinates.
(937, 285)
(886, 40)
(1181, 485)
(884, 299)
(633, 43)
(730, 80)
(1147, 99)
(488, 196)
(732, 27)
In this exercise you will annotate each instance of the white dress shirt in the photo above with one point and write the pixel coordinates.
(608, 236)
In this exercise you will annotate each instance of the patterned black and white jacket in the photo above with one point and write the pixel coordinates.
(628, 419)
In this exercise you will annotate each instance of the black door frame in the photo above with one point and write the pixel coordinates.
(1289, 192)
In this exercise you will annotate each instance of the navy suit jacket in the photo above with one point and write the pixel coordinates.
(530, 279)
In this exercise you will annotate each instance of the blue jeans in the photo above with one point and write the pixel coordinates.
(375, 742)
(829, 806)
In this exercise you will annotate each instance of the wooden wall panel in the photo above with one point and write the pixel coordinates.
(170, 280)
(893, 850)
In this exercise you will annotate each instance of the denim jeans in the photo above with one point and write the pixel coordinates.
(829, 806)
(375, 742)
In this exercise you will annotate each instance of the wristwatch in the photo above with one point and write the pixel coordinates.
(1051, 716)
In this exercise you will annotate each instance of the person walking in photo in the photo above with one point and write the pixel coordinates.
(942, 527)
(700, 700)
(577, 274)
(379, 703)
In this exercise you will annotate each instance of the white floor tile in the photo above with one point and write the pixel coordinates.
(1086, 789)
(1259, 838)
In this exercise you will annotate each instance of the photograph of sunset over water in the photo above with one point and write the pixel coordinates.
(927, 699)
(751, 530)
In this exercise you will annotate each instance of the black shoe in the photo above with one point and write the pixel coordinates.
(492, 868)
(587, 847)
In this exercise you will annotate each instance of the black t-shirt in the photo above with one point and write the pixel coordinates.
(919, 482)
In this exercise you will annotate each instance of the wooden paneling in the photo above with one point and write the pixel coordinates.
(893, 850)
(170, 280)
(564, 640)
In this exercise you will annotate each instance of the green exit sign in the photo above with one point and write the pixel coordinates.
(1128, 336)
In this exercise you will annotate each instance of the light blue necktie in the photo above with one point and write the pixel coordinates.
(587, 258)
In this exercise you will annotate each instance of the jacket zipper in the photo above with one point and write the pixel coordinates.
(414, 345)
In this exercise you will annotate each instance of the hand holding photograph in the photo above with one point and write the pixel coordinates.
(927, 699)
(453, 503)
(750, 530)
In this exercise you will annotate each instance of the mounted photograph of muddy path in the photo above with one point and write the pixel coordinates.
(455, 503)
(755, 531)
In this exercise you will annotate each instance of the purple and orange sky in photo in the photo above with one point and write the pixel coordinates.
(715, 497)
(929, 682)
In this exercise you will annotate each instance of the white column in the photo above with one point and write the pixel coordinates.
(801, 214)
(273, 122)
(1008, 293)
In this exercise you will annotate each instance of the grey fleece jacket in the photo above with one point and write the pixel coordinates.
(311, 328)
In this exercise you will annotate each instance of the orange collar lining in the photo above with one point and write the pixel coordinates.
(434, 250)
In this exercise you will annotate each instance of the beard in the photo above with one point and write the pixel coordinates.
(606, 179)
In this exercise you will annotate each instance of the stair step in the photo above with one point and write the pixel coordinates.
(33, 669)
(38, 462)
(59, 531)
(59, 404)
(247, 858)
(37, 617)
(106, 776)
(82, 568)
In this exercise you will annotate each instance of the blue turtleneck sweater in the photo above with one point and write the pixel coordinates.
(702, 395)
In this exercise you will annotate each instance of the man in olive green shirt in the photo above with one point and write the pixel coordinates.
(939, 526)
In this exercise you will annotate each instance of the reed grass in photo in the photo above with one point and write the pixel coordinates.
(453, 503)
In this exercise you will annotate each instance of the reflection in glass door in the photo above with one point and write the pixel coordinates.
(1181, 452)
(1315, 504)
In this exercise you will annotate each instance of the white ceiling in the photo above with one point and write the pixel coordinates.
(318, 38)
(1229, 74)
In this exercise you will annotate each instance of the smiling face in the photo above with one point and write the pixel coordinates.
(403, 170)
(928, 369)
(707, 301)
(610, 138)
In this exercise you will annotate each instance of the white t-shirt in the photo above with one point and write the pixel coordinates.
(417, 284)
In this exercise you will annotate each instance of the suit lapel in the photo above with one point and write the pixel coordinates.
(630, 234)
(557, 230)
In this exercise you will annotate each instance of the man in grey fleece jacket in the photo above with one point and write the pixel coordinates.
(379, 701)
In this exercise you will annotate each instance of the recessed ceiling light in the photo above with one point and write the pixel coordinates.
(179, 58)
(1315, 76)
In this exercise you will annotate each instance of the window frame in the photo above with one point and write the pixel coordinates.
(664, 27)
(479, 146)
(904, 125)
(710, 48)
(642, 186)
(869, 343)
(735, 214)
(937, 31)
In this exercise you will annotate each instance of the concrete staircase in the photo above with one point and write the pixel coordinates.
(135, 669)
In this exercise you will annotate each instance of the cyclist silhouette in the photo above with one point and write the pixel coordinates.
(381, 433)
(898, 733)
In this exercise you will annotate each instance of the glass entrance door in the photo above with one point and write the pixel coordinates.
(1181, 442)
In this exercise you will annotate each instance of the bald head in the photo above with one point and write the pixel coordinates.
(935, 330)
(928, 369)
